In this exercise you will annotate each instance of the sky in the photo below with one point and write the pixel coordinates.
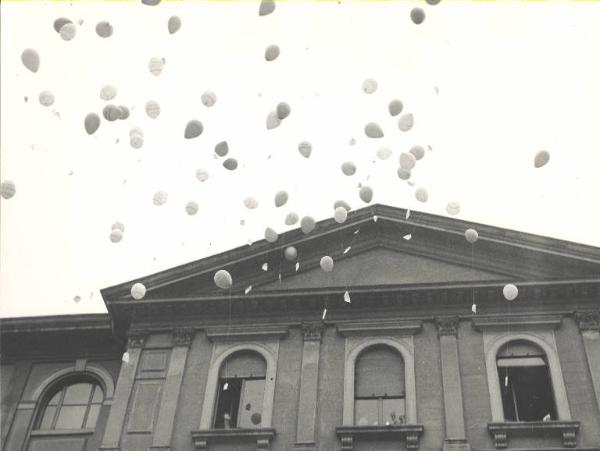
(490, 84)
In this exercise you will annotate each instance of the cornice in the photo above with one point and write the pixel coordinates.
(246, 332)
(378, 327)
(489, 322)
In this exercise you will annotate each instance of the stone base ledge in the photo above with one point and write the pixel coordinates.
(456, 444)
(305, 446)
(502, 431)
(410, 432)
(262, 437)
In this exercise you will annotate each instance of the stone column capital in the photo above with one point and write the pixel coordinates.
(183, 336)
(588, 320)
(447, 325)
(312, 331)
(136, 339)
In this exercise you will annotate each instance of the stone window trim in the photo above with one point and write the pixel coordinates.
(410, 432)
(409, 378)
(263, 437)
(554, 368)
(565, 429)
(212, 386)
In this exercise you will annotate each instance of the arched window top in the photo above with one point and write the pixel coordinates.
(71, 403)
(243, 364)
(520, 348)
(379, 371)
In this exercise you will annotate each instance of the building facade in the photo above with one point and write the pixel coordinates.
(409, 343)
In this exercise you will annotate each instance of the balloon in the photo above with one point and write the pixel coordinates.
(7, 189)
(31, 59)
(417, 151)
(541, 158)
(118, 225)
(341, 203)
(271, 53)
(373, 130)
(266, 7)
(453, 208)
(432, 2)
(111, 113)
(407, 161)
(326, 263)
(348, 168)
(250, 203)
(138, 291)
(395, 107)
(281, 198)
(291, 218)
(271, 235)
(307, 224)
(136, 141)
(68, 31)
(417, 15)
(404, 174)
(202, 175)
(58, 23)
(46, 98)
(91, 123)
(208, 98)
(421, 195)
(283, 110)
(290, 253)
(155, 65)
(174, 24)
(151, 2)
(193, 129)
(471, 235)
(104, 29)
(510, 292)
(152, 109)
(116, 235)
(406, 122)
(136, 131)
(273, 120)
(124, 112)
(366, 194)
(191, 208)
(160, 197)
(383, 153)
(340, 214)
(305, 149)
(222, 148)
(108, 92)
(231, 164)
(369, 86)
(223, 279)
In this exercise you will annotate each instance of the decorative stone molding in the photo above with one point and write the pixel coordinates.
(504, 322)
(136, 339)
(312, 331)
(251, 332)
(183, 336)
(262, 436)
(502, 431)
(447, 325)
(588, 321)
(378, 327)
(410, 432)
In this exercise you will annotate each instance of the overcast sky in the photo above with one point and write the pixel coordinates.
(489, 83)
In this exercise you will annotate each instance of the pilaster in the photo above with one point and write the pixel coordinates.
(589, 325)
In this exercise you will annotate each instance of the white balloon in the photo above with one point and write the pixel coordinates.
(307, 224)
(193, 129)
(152, 109)
(290, 253)
(417, 151)
(291, 218)
(383, 153)
(208, 99)
(366, 194)
(91, 123)
(407, 161)
(273, 120)
(118, 225)
(406, 122)
(510, 292)
(271, 235)
(281, 198)
(373, 130)
(191, 208)
(31, 59)
(202, 174)
(395, 107)
(124, 112)
(403, 174)
(104, 29)
(340, 214)
(223, 279)
(326, 263)
(156, 65)
(174, 24)
(7, 189)
(68, 31)
(136, 131)
(541, 158)
(266, 7)
(348, 168)
(369, 86)
(251, 203)
(471, 235)
(271, 53)
(46, 98)
(116, 235)
(136, 141)
(138, 291)
(341, 203)
(305, 149)
(453, 208)
(160, 197)
(108, 92)
(421, 195)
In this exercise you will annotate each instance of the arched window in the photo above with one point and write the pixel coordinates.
(241, 391)
(525, 383)
(379, 389)
(73, 403)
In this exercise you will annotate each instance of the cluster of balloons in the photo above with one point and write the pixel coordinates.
(112, 112)
(116, 232)
(274, 118)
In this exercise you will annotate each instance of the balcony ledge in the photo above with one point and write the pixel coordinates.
(411, 432)
(566, 429)
(262, 436)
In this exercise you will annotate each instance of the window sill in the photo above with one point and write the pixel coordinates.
(60, 432)
(262, 436)
(411, 432)
(566, 429)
